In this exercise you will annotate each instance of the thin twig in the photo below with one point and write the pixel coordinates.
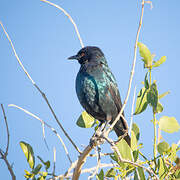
(70, 18)
(4, 155)
(8, 165)
(36, 117)
(132, 111)
(98, 163)
(54, 161)
(88, 170)
(132, 71)
(42, 93)
(7, 130)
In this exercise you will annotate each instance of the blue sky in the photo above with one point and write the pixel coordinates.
(44, 38)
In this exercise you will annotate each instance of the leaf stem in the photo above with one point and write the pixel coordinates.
(155, 136)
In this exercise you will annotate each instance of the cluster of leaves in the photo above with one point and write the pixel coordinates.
(35, 170)
(167, 163)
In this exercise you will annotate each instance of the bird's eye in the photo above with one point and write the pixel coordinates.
(82, 54)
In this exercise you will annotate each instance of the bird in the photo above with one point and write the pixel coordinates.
(97, 90)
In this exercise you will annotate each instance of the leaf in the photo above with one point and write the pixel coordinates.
(100, 176)
(141, 173)
(37, 169)
(146, 83)
(28, 151)
(163, 147)
(85, 120)
(135, 155)
(124, 149)
(169, 124)
(173, 151)
(164, 94)
(135, 128)
(152, 96)
(141, 102)
(47, 163)
(159, 108)
(162, 168)
(145, 54)
(159, 62)
(133, 141)
(110, 173)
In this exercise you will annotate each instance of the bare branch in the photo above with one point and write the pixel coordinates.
(8, 165)
(43, 122)
(81, 161)
(42, 93)
(4, 155)
(98, 163)
(54, 159)
(132, 110)
(132, 70)
(70, 18)
(7, 129)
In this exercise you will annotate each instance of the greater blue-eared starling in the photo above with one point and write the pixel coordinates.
(97, 89)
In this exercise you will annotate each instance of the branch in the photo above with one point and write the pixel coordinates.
(7, 129)
(132, 70)
(70, 18)
(81, 161)
(115, 148)
(4, 155)
(43, 122)
(42, 93)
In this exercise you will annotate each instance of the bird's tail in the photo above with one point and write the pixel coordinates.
(120, 128)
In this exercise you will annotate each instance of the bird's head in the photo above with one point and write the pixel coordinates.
(89, 54)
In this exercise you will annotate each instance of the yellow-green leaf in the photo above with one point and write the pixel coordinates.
(163, 147)
(169, 124)
(85, 120)
(28, 151)
(141, 102)
(160, 61)
(133, 141)
(124, 149)
(145, 54)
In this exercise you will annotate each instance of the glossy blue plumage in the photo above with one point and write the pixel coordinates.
(97, 89)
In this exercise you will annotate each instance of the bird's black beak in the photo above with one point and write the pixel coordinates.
(73, 57)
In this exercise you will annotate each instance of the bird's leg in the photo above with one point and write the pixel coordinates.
(108, 119)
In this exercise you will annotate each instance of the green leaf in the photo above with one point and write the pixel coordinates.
(173, 151)
(136, 130)
(28, 151)
(141, 102)
(162, 168)
(146, 83)
(152, 96)
(100, 176)
(169, 124)
(47, 163)
(124, 149)
(159, 108)
(28, 174)
(159, 62)
(145, 54)
(85, 120)
(133, 141)
(37, 169)
(135, 155)
(110, 173)
(163, 147)
(141, 173)
(163, 94)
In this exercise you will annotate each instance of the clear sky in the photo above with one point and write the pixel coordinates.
(44, 38)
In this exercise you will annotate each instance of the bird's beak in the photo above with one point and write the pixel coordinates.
(73, 57)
